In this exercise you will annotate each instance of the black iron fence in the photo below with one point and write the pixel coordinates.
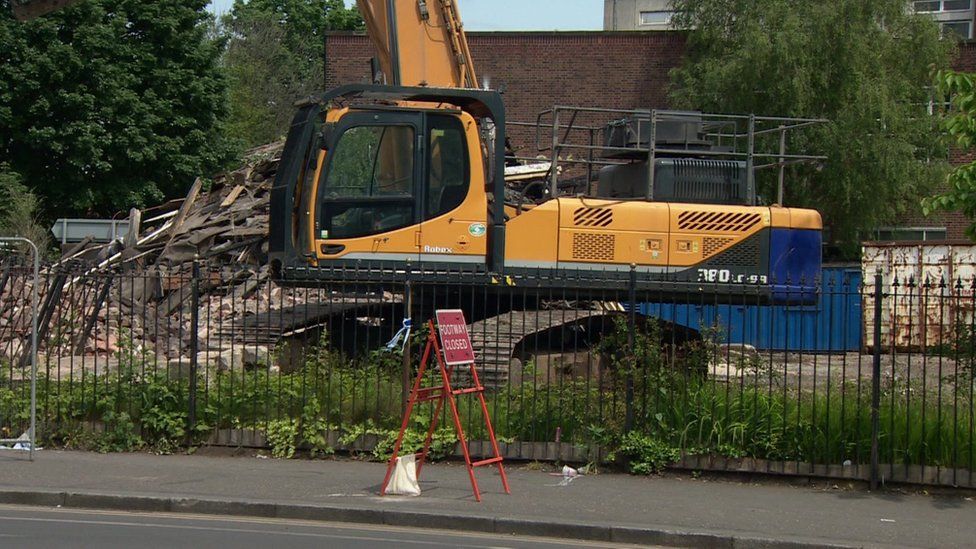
(647, 376)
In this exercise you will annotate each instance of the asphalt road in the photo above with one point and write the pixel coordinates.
(65, 528)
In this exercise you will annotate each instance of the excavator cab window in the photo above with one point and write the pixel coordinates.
(447, 169)
(371, 186)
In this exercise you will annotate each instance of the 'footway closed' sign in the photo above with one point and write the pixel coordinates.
(455, 340)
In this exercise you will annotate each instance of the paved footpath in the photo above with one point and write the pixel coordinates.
(670, 510)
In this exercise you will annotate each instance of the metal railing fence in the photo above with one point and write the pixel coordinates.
(223, 355)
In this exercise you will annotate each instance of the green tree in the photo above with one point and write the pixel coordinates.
(959, 124)
(302, 20)
(110, 103)
(274, 57)
(865, 65)
(20, 211)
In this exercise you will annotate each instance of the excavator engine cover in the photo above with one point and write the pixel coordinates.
(679, 180)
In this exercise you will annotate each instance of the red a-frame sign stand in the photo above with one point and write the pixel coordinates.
(454, 333)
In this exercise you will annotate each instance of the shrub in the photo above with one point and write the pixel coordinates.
(646, 455)
(20, 211)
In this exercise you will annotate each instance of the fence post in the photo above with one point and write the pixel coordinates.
(35, 302)
(631, 341)
(35, 313)
(406, 377)
(191, 416)
(876, 379)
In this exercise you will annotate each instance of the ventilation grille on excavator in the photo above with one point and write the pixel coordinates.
(593, 217)
(726, 222)
(594, 247)
(744, 254)
(712, 246)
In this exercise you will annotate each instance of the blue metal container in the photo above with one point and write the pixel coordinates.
(832, 325)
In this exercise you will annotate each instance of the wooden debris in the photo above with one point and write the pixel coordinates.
(539, 170)
(82, 338)
(191, 197)
(238, 189)
(98, 295)
(135, 221)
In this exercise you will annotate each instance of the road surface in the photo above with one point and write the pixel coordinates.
(38, 527)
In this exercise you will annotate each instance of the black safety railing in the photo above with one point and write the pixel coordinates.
(576, 143)
(873, 381)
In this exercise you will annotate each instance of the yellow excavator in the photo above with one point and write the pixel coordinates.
(408, 176)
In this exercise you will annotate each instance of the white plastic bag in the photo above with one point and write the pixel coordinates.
(404, 479)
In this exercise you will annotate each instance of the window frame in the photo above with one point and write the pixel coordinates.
(928, 234)
(945, 28)
(670, 18)
(941, 8)
(429, 123)
(372, 119)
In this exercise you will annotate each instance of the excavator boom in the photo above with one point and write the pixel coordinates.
(420, 43)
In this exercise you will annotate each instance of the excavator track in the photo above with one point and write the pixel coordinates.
(496, 339)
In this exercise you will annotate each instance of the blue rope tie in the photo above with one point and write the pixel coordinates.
(403, 334)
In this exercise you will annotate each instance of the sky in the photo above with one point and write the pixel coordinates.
(514, 15)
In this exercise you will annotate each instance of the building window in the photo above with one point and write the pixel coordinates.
(962, 29)
(656, 18)
(910, 234)
(937, 104)
(938, 6)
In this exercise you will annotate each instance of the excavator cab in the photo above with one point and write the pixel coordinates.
(379, 186)
(396, 186)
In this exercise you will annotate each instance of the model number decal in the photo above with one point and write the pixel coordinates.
(725, 276)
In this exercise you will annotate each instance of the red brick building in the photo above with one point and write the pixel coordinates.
(626, 70)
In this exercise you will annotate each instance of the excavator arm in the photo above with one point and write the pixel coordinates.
(420, 42)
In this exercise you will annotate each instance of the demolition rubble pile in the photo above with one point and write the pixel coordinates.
(99, 296)
(136, 292)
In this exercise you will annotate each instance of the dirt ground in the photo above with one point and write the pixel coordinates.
(813, 371)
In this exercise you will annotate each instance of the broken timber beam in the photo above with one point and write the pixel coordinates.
(51, 300)
(184, 210)
(79, 343)
(232, 196)
(132, 236)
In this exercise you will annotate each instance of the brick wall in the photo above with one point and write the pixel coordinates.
(954, 222)
(538, 70)
(541, 69)
(598, 69)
